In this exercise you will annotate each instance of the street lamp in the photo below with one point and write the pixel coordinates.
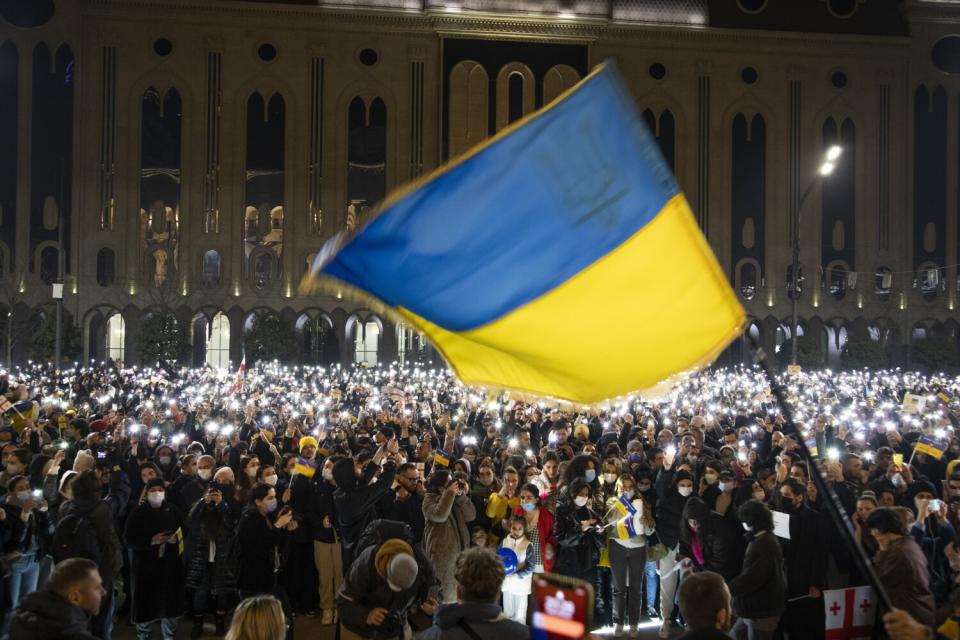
(827, 165)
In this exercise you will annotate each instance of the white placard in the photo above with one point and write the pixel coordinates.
(781, 525)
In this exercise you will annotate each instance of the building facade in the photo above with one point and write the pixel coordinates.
(194, 155)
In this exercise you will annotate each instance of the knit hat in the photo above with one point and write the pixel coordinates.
(84, 462)
(922, 485)
(634, 443)
(154, 482)
(307, 440)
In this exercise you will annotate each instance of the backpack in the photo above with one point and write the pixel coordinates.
(75, 536)
(379, 531)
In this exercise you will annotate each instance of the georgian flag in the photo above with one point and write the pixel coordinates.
(850, 613)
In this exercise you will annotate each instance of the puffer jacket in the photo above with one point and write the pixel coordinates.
(669, 509)
(211, 523)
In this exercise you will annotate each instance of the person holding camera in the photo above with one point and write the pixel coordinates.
(388, 578)
(446, 510)
(259, 539)
(25, 517)
(210, 571)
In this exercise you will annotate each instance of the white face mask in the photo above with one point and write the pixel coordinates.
(898, 480)
(726, 486)
(327, 474)
(270, 480)
(251, 471)
(746, 527)
(628, 494)
(205, 474)
(581, 501)
(685, 491)
(609, 478)
(155, 498)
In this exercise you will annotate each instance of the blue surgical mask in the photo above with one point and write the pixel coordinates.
(590, 476)
(528, 506)
(270, 505)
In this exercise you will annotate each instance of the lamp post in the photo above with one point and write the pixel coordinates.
(58, 285)
(827, 165)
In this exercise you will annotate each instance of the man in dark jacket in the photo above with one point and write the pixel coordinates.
(407, 500)
(479, 574)
(385, 581)
(355, 502)
(103, 513)
(758, 592)
(62, 609)
(805, 563)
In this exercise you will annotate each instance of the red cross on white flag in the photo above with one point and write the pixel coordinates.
(850, 613)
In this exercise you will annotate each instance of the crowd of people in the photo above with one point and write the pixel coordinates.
(387, 499)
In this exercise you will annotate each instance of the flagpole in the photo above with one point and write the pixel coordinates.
(832, 502)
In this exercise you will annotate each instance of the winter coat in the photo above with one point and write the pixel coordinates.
(364, 589)
(902, 569)
(445, 535)
(99, 514)
(209, 523)
(409, 510)
(322, 505)
(184, 492)
(578, 551)
(44, 614)
(758, 592)
(32, 535)
(258, 552)
(669, 509)
(803, 556)
(485, 619)
(156, 571)
(720, 538)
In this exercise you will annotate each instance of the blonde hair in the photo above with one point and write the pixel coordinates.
(258, 618)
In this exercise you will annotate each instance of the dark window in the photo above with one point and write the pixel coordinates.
(946, 54)
(369, 57)
(267, 52)
(48, 265)
(106, 261)
(658, 71)
(749, 75)
(748, 280)
(162, 47)
(27, 13)
(514, 97)
(839, 79)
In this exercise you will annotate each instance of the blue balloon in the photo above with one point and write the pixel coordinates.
(509, 560)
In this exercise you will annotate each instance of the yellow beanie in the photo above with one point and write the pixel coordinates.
(307, 440)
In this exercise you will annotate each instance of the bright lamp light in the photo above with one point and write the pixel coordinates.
(834, 152)
(827, 168)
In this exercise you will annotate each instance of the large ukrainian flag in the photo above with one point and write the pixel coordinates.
(558, 259)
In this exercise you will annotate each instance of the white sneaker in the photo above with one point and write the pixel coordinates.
(634, 632)
(665, 629)
(618, 631)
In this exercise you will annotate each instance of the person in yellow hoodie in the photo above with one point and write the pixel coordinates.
(504, 502)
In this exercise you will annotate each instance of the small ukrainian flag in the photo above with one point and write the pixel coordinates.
(624, 506)
(625, 528)
(812, 446)
(441, 458)
(518, 259)
(930, 447)
(304, 467)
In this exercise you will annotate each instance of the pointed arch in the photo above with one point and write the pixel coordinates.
(558, 79)
(469, 98)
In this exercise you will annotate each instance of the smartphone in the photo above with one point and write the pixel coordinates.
(933, 505)
(563, 607)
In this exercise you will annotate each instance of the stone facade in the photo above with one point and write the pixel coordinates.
(195, 154)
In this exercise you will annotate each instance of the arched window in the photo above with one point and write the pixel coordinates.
(116, 337)
(106, 262)
(514, 97)
(210, 270)
(48, 265)
(218, 342)
(928, 280)
(837, 276)
(366, 152)
(748, 280)
(366, 342)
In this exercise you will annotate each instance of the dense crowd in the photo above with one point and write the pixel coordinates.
(355, 494)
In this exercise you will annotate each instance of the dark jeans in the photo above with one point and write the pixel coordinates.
(626, 562)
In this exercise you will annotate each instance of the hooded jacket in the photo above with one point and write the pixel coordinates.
(44, 614)
(670, 506)
(355, 504)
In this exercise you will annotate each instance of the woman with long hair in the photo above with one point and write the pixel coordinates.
(628, 555)
(258, 618)
(579, 533)
(210, 567)
(539, 528)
